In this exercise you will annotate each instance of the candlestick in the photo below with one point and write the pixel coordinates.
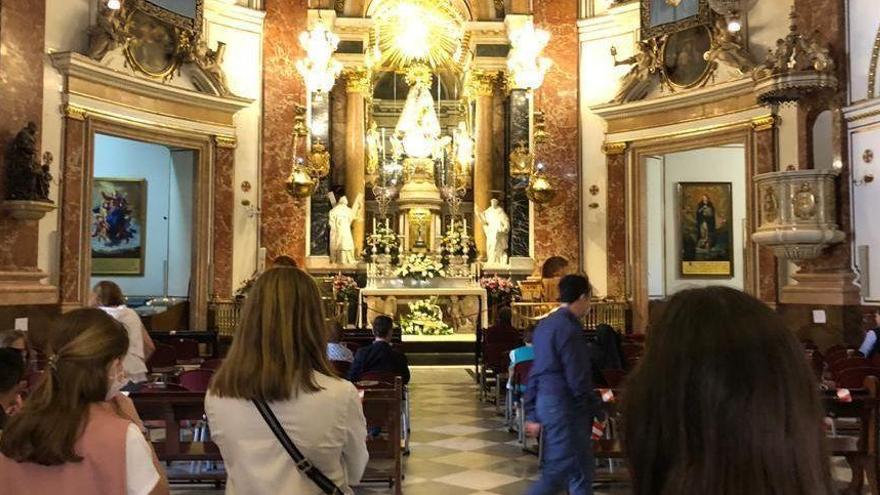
(374, 225)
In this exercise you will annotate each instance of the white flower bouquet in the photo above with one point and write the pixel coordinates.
(420, 267)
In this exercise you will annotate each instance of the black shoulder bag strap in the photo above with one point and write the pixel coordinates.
(303, 464)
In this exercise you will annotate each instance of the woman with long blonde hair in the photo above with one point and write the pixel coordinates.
(278, 362)
(76, 433)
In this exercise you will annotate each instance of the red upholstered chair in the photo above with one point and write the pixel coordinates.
(855, 377)
(164, 359)
(519, 378)
(196, 380)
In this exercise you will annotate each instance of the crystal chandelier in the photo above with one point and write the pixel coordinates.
(319, 69)
(524, 62)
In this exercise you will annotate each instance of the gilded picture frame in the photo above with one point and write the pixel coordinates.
(683, 64)
(663, 17)
(152, 46)
(118, 226)
(705, 229)
(165, 11)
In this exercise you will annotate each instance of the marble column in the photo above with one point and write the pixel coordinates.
(357, 88)
(616, 224)
(481, 88)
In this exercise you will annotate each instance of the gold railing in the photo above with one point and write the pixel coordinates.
(226, 314)
(613, 313)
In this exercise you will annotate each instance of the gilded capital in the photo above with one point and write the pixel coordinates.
(765, 123)
(357, 81)
(225, 141)
(74, 112)
(481, 83)
(614, 148)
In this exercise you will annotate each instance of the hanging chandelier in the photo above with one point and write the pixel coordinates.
(319, 69)
(525, 64)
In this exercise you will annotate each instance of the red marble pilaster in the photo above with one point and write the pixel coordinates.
(22, 37)
(73, 175)
(282, 228)
(616, 225)
(557, 224)
(765, 161)
(224, 206)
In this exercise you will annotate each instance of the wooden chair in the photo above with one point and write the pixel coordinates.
(389, 379)
(380, 404)
(842, 364)
(519, 378)
(172, 409)
(861, 450)
(855, 377)
(494, 364)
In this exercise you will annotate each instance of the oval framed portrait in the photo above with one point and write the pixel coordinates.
(152, 46)
(683, 63)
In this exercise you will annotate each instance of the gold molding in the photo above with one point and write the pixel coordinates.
(701, 111)
(481, 83)
(872, 69)
(74, 112)
(614, 148)
(358, 81)
(766, 122)
(229, 142)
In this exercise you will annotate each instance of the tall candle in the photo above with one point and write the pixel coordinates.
(374, 225)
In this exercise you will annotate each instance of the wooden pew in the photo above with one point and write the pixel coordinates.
(172, 408)
(382, 405)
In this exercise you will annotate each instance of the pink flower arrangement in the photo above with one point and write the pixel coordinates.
(344, 287)
(498, 286)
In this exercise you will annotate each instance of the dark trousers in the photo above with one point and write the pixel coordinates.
(568, 461)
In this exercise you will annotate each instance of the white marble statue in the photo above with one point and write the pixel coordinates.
(496, 226)
(340, 219)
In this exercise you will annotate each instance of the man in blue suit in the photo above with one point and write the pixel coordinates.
(560, 401)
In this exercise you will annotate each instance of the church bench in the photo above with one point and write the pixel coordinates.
(382, 406)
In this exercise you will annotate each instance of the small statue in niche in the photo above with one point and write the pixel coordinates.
(26, 178)
(108, 33)
(373, 148)
(729, 48)
(646, 61)
(463, 154)
(211, 63)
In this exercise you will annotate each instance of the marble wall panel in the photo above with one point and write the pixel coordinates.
(616, 234)
(765, 161)
(283, 218)
(557, 224)
(320, 205)
(517, 202)
(224, 207)
(22, 37)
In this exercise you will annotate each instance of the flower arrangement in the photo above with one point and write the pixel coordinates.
(499, 287)
(457, 242)
(425, 318)
(382, 241)
(420, 267)
(344, 287)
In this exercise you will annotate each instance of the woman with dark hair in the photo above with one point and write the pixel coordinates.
(724, 403)
(77, 433)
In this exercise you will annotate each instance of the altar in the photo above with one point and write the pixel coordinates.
(464, 308)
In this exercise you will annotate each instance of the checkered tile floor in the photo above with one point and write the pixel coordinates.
(459, 446)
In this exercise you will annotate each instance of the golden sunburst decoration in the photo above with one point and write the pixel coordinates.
(418, 31)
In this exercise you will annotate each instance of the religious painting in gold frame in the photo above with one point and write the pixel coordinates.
(705, 229)
(663, 17)
(683, 62)
(152, 46)
(185, 15)
(118, 226)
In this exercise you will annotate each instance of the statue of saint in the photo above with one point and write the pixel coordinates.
(341, 218)
(496, 226)
(373, 144)
(107, 34)
(463, 154)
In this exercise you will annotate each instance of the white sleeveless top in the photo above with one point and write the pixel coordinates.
(134, 362)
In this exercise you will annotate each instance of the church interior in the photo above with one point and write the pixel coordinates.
(444, 163)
